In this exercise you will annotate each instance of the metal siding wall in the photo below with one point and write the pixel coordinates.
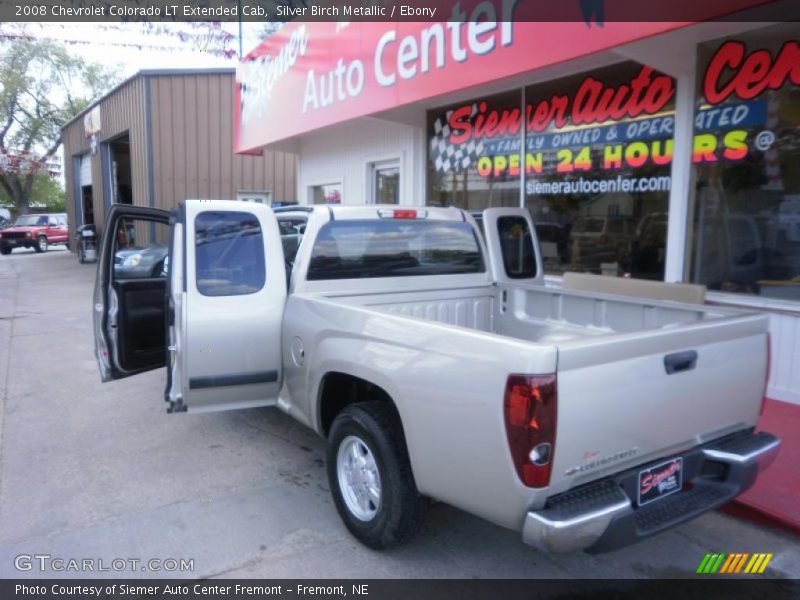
(193, 144)
(203, 163)
(179, 126)
(163, 154)
(191, 150)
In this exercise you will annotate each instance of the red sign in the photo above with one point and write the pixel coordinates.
(594, 102)
(733, 72)
(312, 75)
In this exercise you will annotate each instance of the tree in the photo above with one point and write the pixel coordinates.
(46, 193)
(42, 87)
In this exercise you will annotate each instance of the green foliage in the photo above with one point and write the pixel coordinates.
(46, 193)
(42, 87)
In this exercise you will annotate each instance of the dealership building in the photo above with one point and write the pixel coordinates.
(160, 137)
(662, 151)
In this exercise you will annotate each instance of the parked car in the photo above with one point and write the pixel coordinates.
(437, 364)
(38, 231)
(649, 247)
(141, 262)
(728, 252)
(596, 240)
(554, 242)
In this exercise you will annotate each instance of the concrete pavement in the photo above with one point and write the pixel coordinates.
(91, 470)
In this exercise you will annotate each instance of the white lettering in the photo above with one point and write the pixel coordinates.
(382, 78)
(310, 97)
(407, 53)
(484, 20)
(456, 21)
(416, 11)
(355, 84)
(507, 28)
(432, 33)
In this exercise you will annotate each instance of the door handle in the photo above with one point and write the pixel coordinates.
(680, 361)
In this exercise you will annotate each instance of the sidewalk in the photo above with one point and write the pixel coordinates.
(774, 500)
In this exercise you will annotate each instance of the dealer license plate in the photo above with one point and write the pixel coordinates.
(660, 481)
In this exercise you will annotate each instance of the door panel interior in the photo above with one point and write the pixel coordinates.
(129, 314)
(141, 330)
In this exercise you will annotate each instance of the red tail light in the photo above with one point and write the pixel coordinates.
(766, 375)
(405, 214)
(530, 409)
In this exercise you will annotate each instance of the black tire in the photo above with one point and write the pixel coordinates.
(5, 250)
(401, 507)
(41, 244)
(81, 255)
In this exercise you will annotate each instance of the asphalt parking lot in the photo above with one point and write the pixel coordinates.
(91, 470)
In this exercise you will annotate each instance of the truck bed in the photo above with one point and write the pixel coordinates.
(535, 313)
(618, 407)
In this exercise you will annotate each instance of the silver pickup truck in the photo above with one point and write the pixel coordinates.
(437, 364)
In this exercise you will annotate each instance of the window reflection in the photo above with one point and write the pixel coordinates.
(744, 234)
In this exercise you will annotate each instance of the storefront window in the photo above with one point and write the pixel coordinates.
(329, 193)
(598, 155)
(386, 182)
(744, 230)
(469, 144)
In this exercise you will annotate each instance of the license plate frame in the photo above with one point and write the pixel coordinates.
(668, 477)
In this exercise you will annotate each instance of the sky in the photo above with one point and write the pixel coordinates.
(130, 47)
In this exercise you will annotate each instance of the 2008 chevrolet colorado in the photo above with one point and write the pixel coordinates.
(437, 363)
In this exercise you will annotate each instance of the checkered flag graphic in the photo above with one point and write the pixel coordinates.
(447, 156)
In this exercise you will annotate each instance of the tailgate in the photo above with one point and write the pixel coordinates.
(629, 399)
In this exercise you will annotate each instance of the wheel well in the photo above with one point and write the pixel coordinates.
(338, 390)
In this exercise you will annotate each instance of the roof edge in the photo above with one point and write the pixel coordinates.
(149, 73)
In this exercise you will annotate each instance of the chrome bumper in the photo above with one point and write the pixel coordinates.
(601, 516)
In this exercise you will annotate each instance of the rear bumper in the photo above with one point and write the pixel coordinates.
(602, 516)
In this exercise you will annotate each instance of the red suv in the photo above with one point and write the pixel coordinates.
(35, 231)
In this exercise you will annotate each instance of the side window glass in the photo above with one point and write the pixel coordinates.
(229, 253)
(516, 244)
(140, 249)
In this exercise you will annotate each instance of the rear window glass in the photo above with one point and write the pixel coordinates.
(291, 235)
(394, 248)
(229, 253)
(516, 244)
